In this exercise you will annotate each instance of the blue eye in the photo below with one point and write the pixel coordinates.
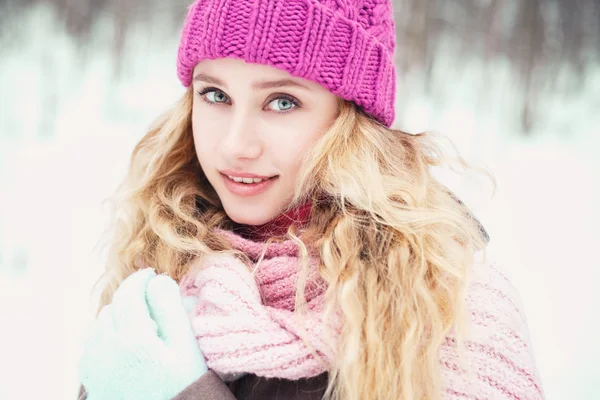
(216, 96)
(213, 96)
(283, 104)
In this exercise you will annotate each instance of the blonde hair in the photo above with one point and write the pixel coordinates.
(395, 245)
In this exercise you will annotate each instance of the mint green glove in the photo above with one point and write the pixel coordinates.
(142, 345)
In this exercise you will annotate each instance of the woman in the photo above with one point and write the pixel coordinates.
(316, 255)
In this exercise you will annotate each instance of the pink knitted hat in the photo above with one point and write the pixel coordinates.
(346, 46)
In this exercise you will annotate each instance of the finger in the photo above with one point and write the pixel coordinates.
(190, 303)
(105, 321)
(95, 345)
(100, 329)
(168, 311)
(129, 307)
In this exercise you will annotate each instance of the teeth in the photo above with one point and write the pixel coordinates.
(245, 180)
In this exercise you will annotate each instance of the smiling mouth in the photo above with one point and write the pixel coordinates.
(248, 181)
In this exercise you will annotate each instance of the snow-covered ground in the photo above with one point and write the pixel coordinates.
(67, 127)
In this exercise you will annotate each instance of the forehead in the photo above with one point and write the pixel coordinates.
(225, 65)
(225, 71)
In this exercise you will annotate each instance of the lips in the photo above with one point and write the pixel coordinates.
(247, 185)
(241, 174)
(247, 180)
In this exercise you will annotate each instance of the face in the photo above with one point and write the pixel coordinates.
(252, 125)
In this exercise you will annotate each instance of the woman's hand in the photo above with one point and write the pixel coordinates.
(142, 345)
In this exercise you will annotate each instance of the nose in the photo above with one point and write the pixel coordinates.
(242, 140)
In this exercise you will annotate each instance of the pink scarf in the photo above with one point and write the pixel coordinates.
(245, 322)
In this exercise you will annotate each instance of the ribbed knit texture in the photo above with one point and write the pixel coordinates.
(498, 347)
(346, 46)
(245, 324)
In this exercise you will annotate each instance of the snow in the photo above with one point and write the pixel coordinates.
(67, 128)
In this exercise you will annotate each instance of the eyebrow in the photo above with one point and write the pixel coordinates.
(258, 85)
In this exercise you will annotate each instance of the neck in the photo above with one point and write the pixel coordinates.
(279, 226)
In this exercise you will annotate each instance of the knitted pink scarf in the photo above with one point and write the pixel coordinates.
(244, 322)
(239, 333)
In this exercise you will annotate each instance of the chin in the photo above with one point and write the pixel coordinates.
(245, 215)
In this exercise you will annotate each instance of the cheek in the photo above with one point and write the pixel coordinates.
(204, 139)
(289, 148)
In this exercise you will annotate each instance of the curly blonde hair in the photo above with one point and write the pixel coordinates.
(394, 243)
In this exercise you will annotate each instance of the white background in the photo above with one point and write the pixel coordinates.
(68, 125)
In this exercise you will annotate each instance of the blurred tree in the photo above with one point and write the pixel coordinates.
(538, 37)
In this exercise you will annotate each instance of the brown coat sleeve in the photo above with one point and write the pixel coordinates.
(82, 393)
(208, 387)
